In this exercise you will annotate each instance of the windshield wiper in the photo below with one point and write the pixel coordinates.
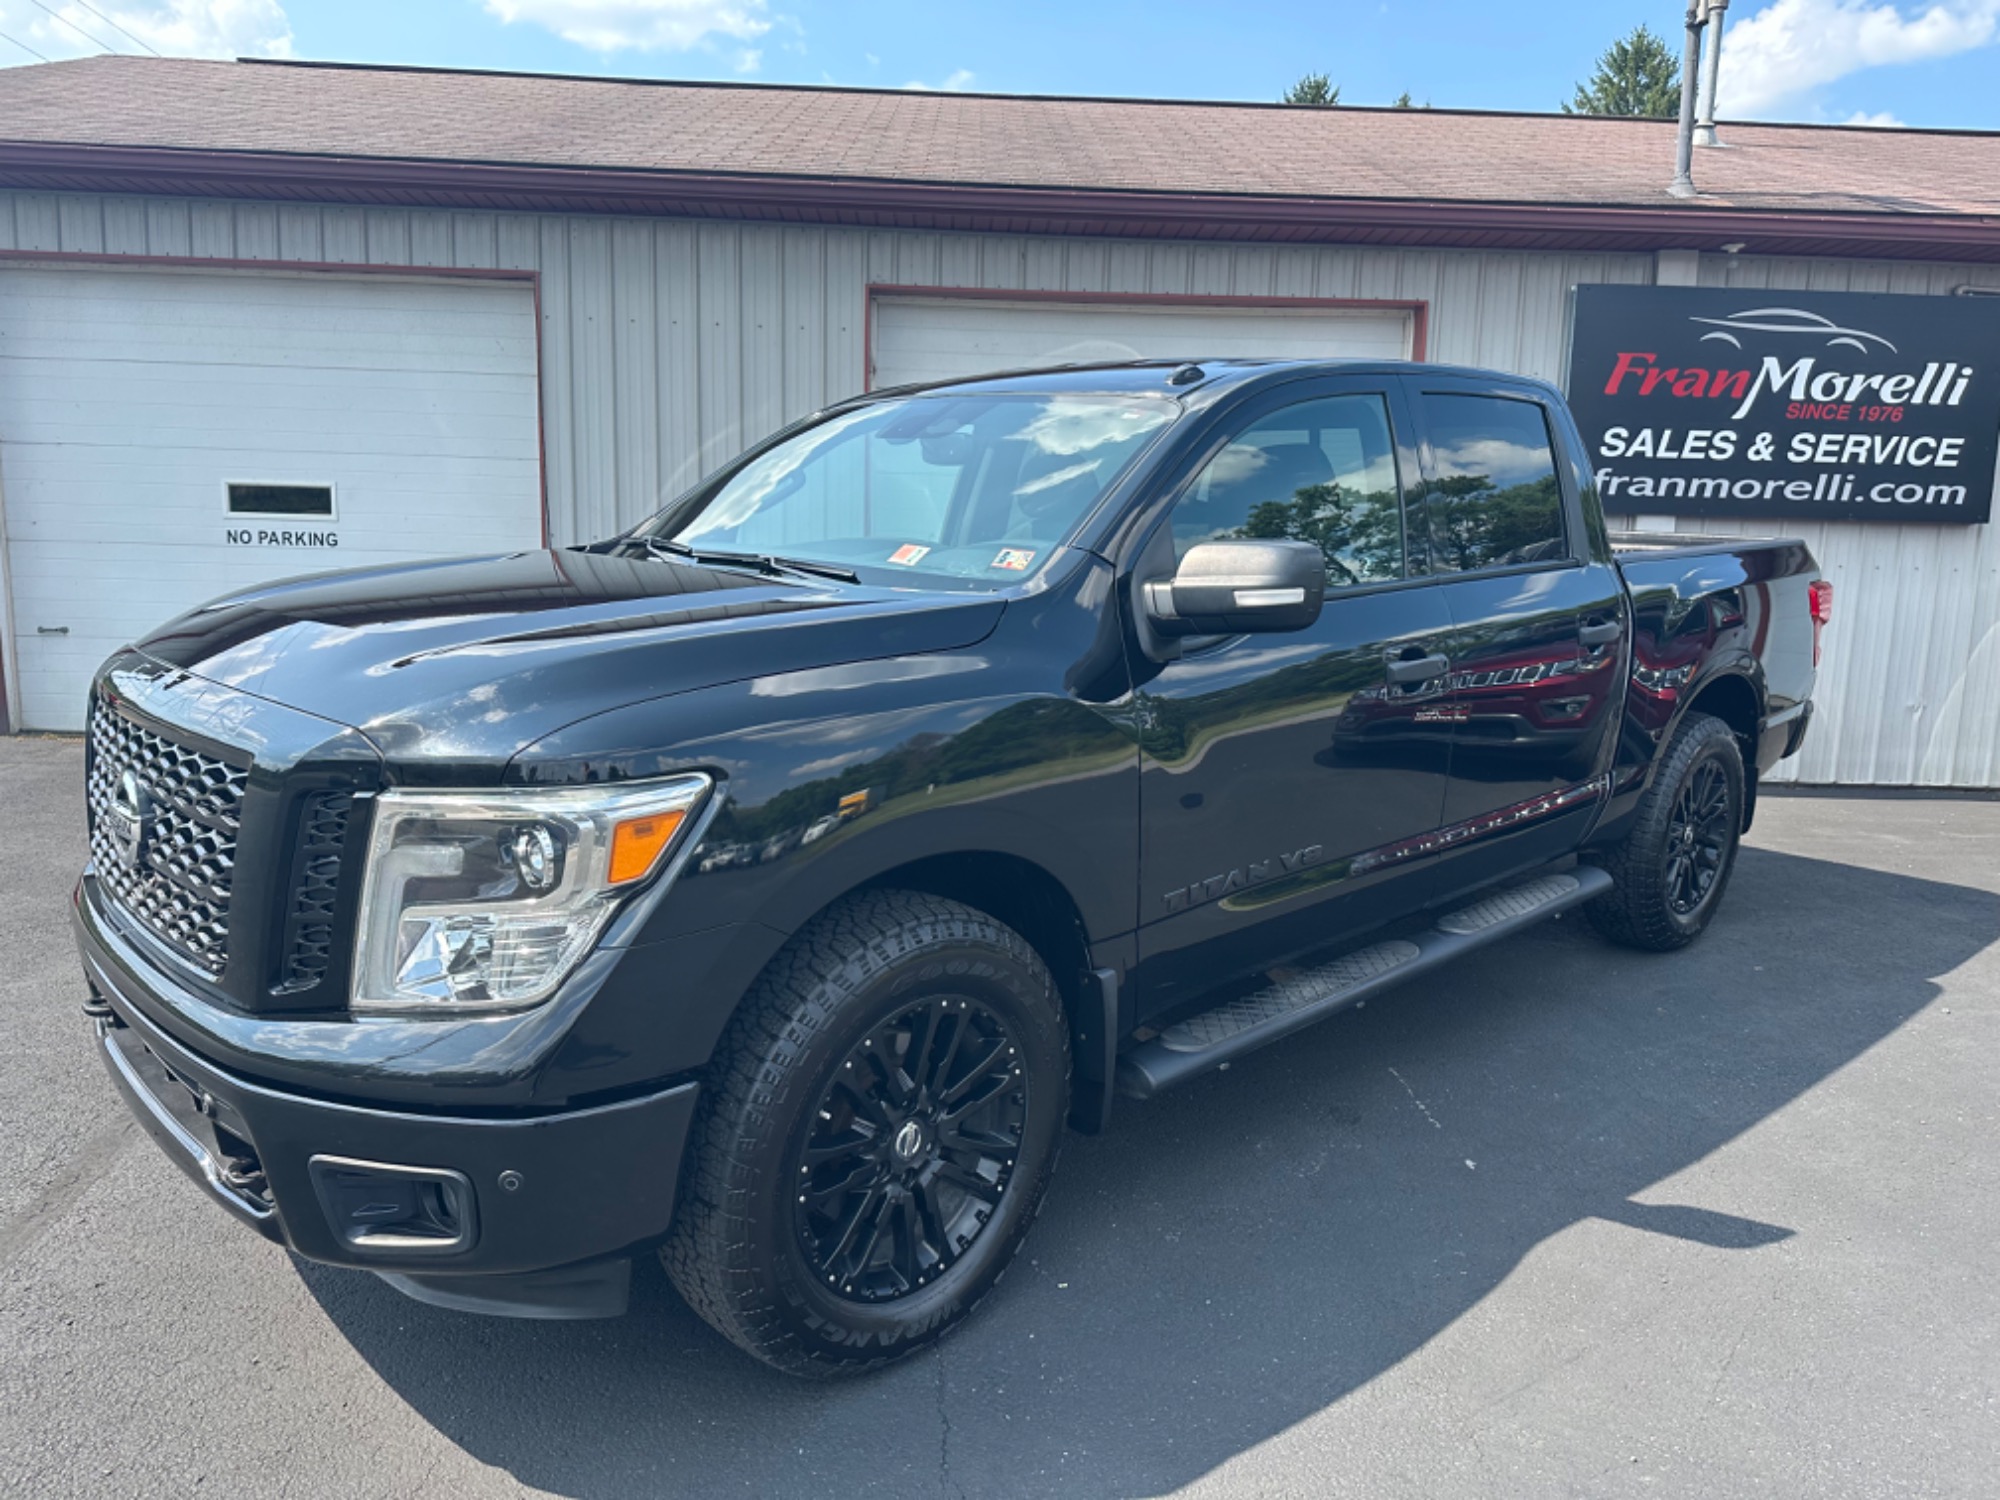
(757, 561)
(766, 563)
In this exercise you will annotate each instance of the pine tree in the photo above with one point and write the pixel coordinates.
(1637, 76)
(1314, 88)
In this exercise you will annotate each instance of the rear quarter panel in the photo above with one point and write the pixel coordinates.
(1702, 612)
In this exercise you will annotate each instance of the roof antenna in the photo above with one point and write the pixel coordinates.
(1187, 375)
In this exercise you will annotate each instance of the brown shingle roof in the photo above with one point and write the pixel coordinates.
(514, 137)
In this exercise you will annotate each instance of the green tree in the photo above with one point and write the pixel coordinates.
(1360, 534)
(1313, 88)
(1637, 76)
(1475, 524)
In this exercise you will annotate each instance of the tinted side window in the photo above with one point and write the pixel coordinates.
(1322, 472)
(1497, 502)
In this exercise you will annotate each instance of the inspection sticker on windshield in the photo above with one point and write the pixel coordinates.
(1013, 559)
(909, 554)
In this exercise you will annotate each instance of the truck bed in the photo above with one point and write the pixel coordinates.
(1692, 543)
(1693, 565)
(1741, 607)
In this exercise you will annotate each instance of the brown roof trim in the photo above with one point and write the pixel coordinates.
(52, 167)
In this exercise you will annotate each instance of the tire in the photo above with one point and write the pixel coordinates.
(808, 1142)
(1670, 881)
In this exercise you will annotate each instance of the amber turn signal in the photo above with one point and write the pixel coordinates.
(638, 843)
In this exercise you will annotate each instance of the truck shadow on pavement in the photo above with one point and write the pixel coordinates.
(1233, 1258)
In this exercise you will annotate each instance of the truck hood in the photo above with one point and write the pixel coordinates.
(453, 665)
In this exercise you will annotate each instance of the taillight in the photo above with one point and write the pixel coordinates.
(1820, 592)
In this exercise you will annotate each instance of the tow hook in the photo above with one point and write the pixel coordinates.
(243, 1174)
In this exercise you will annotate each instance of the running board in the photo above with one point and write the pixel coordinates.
(1238, 1026)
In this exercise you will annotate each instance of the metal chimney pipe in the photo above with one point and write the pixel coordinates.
(1704, 125)
(1683, 184)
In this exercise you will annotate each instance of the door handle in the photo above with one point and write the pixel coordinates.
(1599, 632)
(1405, 671)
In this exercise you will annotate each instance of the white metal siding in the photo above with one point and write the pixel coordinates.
(941, 338)
(1909, 685)
(668, 345)
(130, 399)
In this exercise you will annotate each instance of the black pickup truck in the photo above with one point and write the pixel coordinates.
(773, 884)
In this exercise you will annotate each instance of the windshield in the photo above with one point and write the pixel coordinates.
(980, 488)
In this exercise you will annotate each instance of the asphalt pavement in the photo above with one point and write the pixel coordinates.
(1563, 1220)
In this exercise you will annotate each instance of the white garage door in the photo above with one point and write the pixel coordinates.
(942, 338)
(166, 436)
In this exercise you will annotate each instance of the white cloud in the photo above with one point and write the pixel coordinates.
(642, 25)
(750, 59)
(1880, 120)
(178, 28)
(961, 79)
(1792, 47)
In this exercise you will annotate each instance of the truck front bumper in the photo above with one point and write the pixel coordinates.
(527, 1214)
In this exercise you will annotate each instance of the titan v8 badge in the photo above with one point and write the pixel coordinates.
(131, 820)
(1217, 886)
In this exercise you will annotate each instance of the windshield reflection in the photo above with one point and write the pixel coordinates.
(976, 489)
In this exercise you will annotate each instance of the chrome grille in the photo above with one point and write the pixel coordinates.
(179, 886)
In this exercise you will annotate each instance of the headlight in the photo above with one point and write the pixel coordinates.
(485, 901)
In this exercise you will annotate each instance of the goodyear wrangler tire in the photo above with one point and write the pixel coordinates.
(1674, 864)
(880, 1123)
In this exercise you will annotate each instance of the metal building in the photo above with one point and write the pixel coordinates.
(259, 319)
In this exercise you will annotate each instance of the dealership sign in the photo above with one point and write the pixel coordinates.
(1828, 405)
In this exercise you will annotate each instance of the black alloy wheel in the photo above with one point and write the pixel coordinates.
(1699, 837)
(1677, 851)
(912, 1146)
(874, 1136)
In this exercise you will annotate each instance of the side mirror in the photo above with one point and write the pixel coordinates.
(1239, 588)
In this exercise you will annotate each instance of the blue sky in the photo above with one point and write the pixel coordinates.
(1879, 61)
